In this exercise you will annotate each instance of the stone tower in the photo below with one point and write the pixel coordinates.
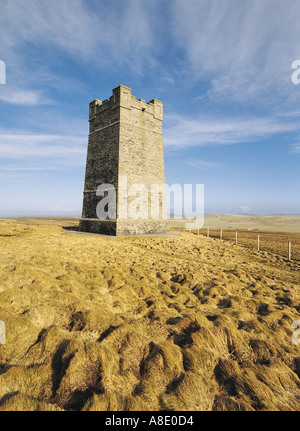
(125, 150)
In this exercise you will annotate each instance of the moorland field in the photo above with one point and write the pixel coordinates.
(181, 322)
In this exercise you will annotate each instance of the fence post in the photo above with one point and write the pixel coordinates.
(220, 233)
(290, 250)
(258, 242)
(235, 237)
(208, 232)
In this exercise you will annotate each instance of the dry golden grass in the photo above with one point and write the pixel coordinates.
(183, 323)
(272, 242)
(270, 222)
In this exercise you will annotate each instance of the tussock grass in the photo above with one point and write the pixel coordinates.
(185, 323)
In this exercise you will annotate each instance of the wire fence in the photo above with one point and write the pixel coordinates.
(285, 244)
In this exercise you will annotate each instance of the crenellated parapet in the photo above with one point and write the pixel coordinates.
(123, 98)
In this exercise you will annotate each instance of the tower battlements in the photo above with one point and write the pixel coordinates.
(123, 98)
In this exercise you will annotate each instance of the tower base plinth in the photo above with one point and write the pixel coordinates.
(124, 227)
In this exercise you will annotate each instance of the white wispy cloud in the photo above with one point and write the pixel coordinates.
(26, 168)
(23, 97)
(23, 151)
(182, 131)
(203, 165)
(295, 148)
(102, 35)
(227, 44)
(100, 31)
(16, 145)
(244, 48)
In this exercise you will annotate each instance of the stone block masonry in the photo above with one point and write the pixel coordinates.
(125, 141)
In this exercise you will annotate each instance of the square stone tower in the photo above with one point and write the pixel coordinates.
(125, 150)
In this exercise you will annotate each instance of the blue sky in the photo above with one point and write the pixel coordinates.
(222, 69)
